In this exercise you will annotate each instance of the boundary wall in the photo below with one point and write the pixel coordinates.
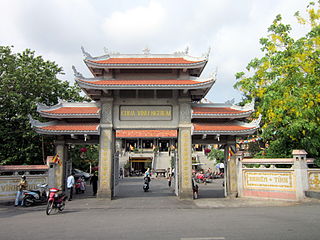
(10, 176)
(282, 178)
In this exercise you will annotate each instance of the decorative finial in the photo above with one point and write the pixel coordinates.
(208, 53)
(187, 50)
(76, 73)
(86, 54)
(146, 51)
(230, 102)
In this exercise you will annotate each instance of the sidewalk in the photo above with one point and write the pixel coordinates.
(160, 196)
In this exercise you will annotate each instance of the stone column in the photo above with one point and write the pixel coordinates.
(184, 150)
(59, 167)
(230, 174)
(106, 150)
(301, 172)
(239, 158)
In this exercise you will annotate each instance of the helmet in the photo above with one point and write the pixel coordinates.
(23, 177)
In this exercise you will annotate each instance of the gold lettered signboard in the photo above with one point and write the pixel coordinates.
(145, 113)
(314, 180)
(281, 181)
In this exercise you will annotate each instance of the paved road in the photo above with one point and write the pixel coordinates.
(160, 215)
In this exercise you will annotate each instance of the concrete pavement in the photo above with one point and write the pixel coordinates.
(158, 214)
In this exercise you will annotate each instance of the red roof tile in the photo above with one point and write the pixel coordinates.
(214, 110)
(74, 110)
(218, 127)
(146, 133)
(144, 82)
(144, 61)
(71, 127)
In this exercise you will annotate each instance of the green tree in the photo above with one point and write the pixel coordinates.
(285, 83)
(83, 159)
(26, 79)
(216, 154)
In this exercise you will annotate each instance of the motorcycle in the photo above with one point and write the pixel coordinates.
(36, 196)
(146, 183)
(55, 201)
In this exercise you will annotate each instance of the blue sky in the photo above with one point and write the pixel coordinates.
(56, 29)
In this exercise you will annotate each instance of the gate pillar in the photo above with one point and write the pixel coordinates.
(231, 173)
(185, 163)
(59, 173)
(106, 150)
(184, 150)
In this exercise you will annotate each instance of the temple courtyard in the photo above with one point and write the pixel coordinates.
(159, 214)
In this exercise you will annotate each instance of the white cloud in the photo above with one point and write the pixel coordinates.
(132, 26)
(57, 29)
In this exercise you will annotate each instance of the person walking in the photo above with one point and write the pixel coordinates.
(70, 185)
(23, 184)
(169, 180)
(94, 183)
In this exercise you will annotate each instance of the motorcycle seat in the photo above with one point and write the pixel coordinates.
(35, 191)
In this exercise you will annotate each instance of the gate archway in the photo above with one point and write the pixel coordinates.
(146, 92)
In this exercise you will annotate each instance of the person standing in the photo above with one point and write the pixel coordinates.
(70, 185)
(23, 184)
(94, 183)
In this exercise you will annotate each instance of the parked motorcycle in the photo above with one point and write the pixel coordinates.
(146, 180)
(36, 196)
(55, 201)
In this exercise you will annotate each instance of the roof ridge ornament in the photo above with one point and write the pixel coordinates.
(146, 51)
(86, 54)
(206, 55)
(186, 51)
(182, 53)
(256, 122)
(76, 73)
(230, 102)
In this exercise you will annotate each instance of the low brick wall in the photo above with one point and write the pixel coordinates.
(11, 175)
(269, 183)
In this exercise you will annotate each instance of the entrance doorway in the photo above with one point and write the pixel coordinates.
(139, 165)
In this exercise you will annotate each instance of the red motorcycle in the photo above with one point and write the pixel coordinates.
(56, 200)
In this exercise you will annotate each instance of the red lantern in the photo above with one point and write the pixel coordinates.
(207, 150)
(83, 150)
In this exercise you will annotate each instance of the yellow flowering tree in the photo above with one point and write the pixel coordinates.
(285, 83)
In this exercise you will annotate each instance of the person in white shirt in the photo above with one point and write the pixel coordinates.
(70, 185)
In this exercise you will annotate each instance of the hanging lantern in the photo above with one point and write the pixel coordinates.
(83, 150)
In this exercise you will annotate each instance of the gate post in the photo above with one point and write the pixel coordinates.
(239, 158)
(106, 149)
(184, 150)
(301, 171)
(59, 175)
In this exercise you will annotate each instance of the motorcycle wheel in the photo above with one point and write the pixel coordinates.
(195, 195)
(62, 206)
(49, 207)
(28, 201)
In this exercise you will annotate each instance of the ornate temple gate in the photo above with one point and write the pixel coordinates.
(118, 116)
(145, 92)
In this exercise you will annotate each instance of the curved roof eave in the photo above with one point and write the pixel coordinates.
(65, 132)
(199, 85)
(192, 65)
(237, 132)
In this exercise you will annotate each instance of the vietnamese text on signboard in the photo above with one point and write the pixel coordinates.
(281, 181)
(145, 113)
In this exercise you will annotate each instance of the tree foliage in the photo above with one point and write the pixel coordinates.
(26, 79)
(285, 82)
(82, 160)
(216, 154)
